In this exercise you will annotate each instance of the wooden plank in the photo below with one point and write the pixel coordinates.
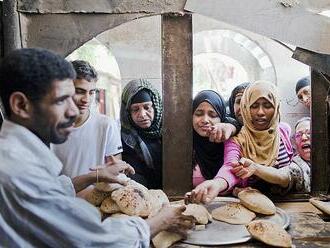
(177, 95)
(101, 6)
(63, 33)
(295, 25)
(321, 62)
(320, 135)
(11, 27)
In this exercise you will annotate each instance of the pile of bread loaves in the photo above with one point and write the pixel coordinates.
(252, 202)
(134, 199)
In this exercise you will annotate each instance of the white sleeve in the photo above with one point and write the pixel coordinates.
(50, 217)
(113, 144)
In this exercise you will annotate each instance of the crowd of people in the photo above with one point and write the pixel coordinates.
(53, 148)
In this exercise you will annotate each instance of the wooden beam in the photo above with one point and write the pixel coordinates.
(295, 25)
(64, 33)
(11, 27)
(318, 61)
(320, 134)
(101, 6)
(177, 95)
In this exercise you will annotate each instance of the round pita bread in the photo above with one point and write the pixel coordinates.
(158, 198)
(165, 239)
(257, 202)
(199, 212)
(109, 187)
(133, 201)
(95, 197)
(269, 233)
(233, 213)
(109, 206)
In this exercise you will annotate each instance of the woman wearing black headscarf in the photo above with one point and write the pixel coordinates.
(210, 129)
(141, 119)
(234, 102)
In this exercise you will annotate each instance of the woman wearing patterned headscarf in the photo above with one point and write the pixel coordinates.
(262, 141)
(141, 123)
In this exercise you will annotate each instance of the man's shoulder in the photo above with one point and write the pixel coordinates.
(103, 119)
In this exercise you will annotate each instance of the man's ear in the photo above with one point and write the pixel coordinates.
(20, 105)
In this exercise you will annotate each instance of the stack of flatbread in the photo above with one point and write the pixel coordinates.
(256, 201)
(134, 199)
(253, 201)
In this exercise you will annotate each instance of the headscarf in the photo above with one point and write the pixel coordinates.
(259, 146)
(238, 89)
(303, 82)
(127, 124)
(209, 155)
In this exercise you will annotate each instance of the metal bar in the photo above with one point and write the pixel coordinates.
(11, 26)
(320, 134)
(177, 96)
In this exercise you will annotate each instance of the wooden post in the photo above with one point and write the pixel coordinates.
(11, 26)
(320, 133)
(177, 97)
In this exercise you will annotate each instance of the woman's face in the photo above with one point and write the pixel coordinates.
(304, 96)
(237, 108)
(204, 118)
(303, 140)
(142, 114)
(262, 112)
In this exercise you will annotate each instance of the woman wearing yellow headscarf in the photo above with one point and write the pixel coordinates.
(262, 141)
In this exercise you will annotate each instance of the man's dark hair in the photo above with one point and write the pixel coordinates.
(84, 70)
(32, 72)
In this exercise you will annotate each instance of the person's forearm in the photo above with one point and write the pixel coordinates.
(272, 175)
(83, 181)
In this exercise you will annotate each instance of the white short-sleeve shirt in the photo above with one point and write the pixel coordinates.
(89, 144)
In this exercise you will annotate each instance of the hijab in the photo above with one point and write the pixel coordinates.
(209, 155)
(136, 90)
(259, 146)
(238, 89)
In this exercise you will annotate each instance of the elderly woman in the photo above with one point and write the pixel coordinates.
(235, 101)
(141, 123)
(262, 139)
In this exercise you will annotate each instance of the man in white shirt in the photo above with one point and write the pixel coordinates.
(95, 137)
(39, 207)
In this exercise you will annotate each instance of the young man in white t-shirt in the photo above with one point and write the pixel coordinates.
(96, 137)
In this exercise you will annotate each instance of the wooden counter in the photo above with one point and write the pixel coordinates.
(307, 228)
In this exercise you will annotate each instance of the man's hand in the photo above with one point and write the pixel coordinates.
(221, 132)
(206, 191)
(243, 168)
(110, 171)
(170, 218)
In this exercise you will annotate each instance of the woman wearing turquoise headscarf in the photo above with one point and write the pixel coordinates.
(141, 125)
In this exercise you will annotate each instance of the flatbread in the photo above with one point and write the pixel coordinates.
(257, 202)
(233, 213)
(109, 206)
(165, 239)
(95, 197)
(199, 212)
(109, 187)
(133, 201)
(158, 198)
(269, 233)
